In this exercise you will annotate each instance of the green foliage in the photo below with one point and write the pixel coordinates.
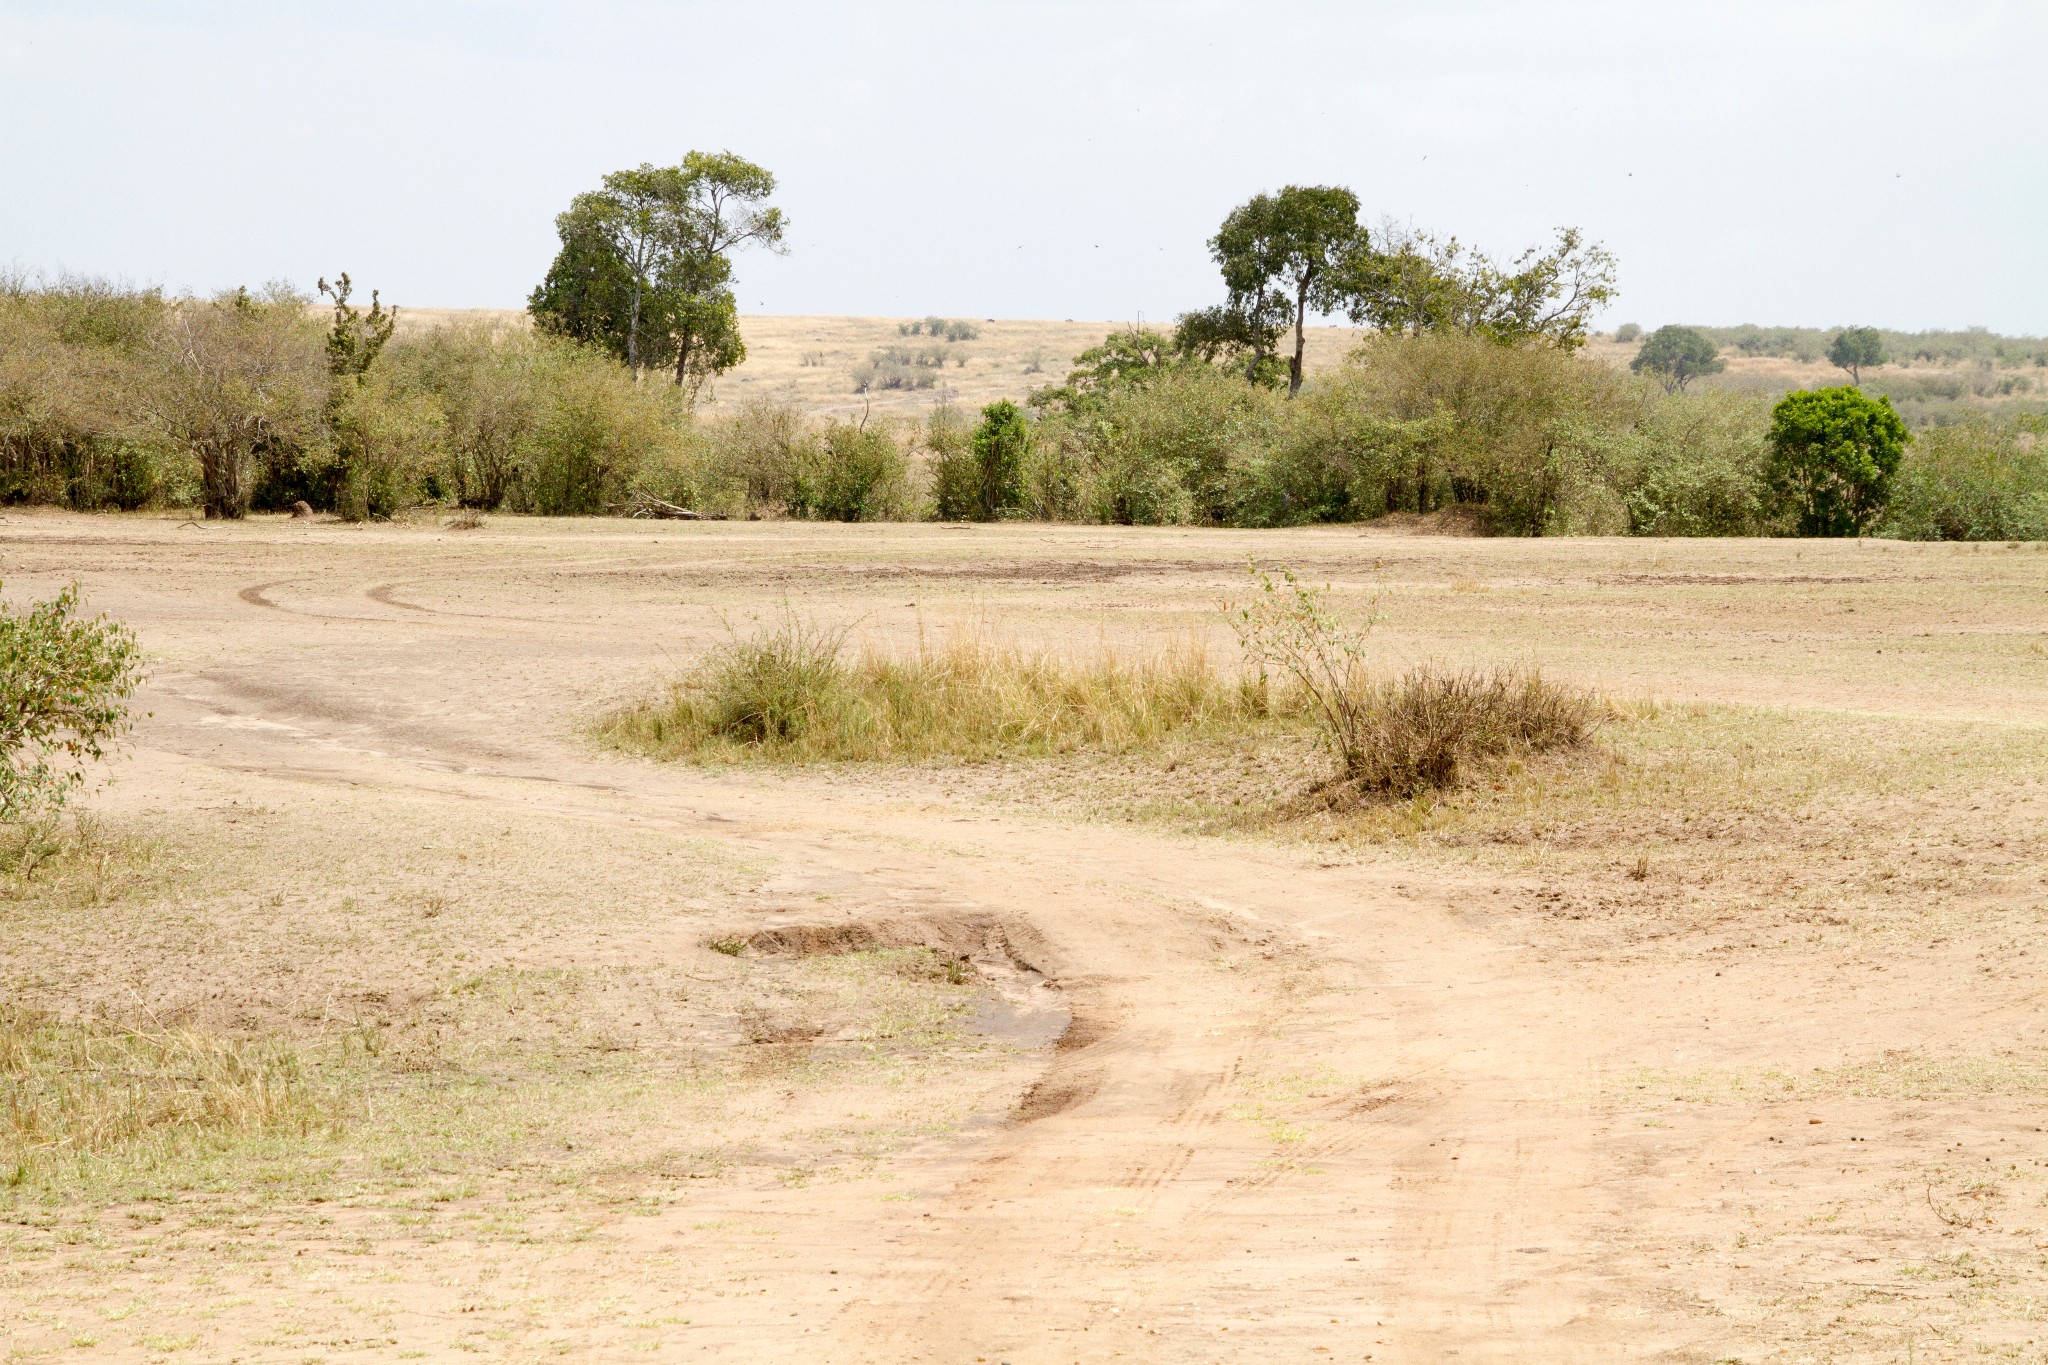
(1982, 479)
(905, 367)
(1855, 347)
(1163, 452)
(387, 442)
(1833, 454)
(355, 337)
(645, 264)
(1971, 346)
(1417, 283)
(940, 329)
(237, 380)
(1527, 433)
(64, 687)
(1284, 256)
(74, 365)
(1675, 356)
(853, 471)
(1628, 332)
(955, 470)
(1002, 442)
(1694, 466)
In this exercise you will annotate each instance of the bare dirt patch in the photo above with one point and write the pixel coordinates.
(1525, 1071)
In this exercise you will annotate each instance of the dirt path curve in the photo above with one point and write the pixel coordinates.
(1303, 1111)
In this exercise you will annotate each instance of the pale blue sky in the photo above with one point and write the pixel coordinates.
(1810, 163)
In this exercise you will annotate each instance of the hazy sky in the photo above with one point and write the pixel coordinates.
(1779, 162)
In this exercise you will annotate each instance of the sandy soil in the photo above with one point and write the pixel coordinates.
(1240, 1096)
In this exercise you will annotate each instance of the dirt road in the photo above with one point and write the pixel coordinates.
(1303, 1105)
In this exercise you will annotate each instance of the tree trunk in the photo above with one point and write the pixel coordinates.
(685, 343)
(1300, 340)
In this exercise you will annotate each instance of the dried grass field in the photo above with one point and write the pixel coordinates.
(812, 360)
(382, 1012)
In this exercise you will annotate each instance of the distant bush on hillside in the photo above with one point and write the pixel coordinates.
(948, 329)
(906, 367)
(1811, 344)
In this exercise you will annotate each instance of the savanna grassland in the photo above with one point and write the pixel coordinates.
(392, 1002)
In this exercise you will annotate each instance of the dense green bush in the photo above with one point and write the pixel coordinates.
(74, 357)
(1001, 444)
(1833, 454)
(955, 473)
(1695, 467)
(852, 471)
(1978, 480)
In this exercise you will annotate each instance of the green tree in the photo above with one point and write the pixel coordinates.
(1001, 442)
(1833, 455)
(1675, 356)
(1416, 283)
(1855, 347)
(1627, 332)
(1283, 257)
(64, 686)
(238, 378)
(645, 265)
(355, 337)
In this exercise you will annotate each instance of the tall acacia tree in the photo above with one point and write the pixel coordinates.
(1284, 256)
(645, 265)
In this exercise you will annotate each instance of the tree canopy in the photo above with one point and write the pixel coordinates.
(645, 265)
(1675, 356)
(1302, 250)
(1284, 256)
(1833, 455)
(1855, 347)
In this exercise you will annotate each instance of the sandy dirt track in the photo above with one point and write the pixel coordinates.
(1304, 1107)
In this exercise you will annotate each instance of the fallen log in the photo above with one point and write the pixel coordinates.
(648, 506)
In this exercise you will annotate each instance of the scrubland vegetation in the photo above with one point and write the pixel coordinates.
(118, 398)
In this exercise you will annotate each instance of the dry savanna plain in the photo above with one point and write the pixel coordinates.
(1720, 1039)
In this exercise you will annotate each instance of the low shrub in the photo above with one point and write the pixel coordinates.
(1421, 731)
(955, 473)
(1409, 735)
(64, 688)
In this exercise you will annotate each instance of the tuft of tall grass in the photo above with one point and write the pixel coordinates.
(797, 694)
(1419, 732)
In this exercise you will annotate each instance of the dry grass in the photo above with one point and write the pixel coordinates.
(794, 694)
(73, 1092)
(1422, 732)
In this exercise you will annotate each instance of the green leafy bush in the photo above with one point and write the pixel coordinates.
(1833, 454)
(1978, 480)
(74, 362)
(955, 472)
(1697, 467)
(854, 471)
(1002, 443)
(64, 687)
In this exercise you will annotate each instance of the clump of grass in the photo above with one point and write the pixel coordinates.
(796, 693)
(1419, 732)
(71, 1092)
(1412, 734)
